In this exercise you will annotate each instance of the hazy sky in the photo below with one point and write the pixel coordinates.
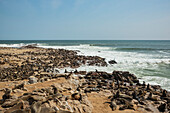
(84, 19)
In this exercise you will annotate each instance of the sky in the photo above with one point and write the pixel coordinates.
(84, 19)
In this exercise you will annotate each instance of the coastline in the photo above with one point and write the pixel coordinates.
(101, 99)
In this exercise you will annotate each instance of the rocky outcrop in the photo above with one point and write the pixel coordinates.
(45, 100)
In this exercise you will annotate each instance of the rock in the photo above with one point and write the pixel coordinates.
(63, 107)
(30, 46)
(86, 101)
(22, 111)
(52, 103)
(67, 106)
(36, 107)
(152, 107)
(45, 105)
(148, 109)
(17, 91)
(41, 80)
(16, 107)
(63, 111)
(135, 101)
(32, 80)
(76, 96)
(20, 86)
(112, 62)
(38, 98)
(9, 103)
(49, 91)
(86, 109)
(38, 93)
(46, 110)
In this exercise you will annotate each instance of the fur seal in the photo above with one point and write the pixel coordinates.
(162, 107)
(65, 71)
(7, 94)
(113, 105)
(164, 93)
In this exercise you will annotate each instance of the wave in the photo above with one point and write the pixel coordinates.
(97, 46)
(149, 49)
(19, 45)
(103, 45)
(162, 81)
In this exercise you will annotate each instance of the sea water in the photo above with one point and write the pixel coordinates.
(149, 60)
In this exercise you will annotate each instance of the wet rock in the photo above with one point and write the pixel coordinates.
(112, 62)
(30, 46)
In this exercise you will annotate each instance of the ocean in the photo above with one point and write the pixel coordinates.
(149, 60)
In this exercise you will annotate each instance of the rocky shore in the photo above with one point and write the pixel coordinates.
(31, 82)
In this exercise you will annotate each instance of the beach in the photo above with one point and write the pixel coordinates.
(36, 79)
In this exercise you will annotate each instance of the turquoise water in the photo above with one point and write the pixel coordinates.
(148, 59)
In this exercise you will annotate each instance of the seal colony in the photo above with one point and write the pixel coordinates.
(31, 82)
